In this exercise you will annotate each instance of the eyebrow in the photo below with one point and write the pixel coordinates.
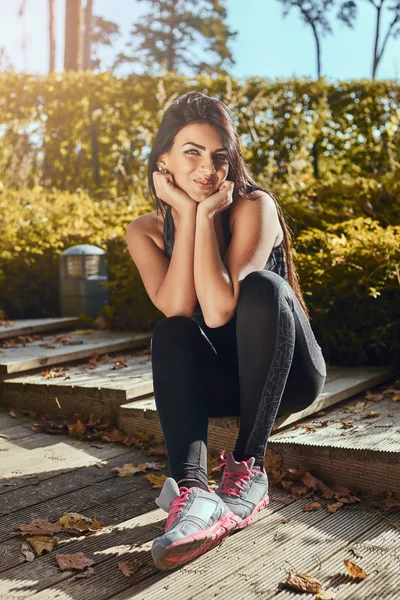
(202, 147)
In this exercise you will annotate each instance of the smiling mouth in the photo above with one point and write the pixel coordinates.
(204, 185)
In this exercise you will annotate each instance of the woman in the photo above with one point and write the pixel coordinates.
(215, 258)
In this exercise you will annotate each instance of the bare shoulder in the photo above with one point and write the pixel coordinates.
(260, 201)
(150, 224)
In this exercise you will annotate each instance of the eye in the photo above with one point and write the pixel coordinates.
(222, 157)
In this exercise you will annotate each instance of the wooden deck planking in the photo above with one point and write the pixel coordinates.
(19, 359)
(32, 326)
(248, 564)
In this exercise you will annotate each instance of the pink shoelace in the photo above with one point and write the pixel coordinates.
(232, 479)
(176, 507)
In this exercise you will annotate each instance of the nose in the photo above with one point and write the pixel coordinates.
(208, 166)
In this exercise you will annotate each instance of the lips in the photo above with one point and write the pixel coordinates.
(204, 184)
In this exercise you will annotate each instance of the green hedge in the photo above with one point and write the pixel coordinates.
(93, 131)
(349, 267)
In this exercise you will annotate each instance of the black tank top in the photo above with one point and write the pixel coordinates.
(276, 261)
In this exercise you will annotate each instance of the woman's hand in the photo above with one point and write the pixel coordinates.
(172, 195)
(219, 201)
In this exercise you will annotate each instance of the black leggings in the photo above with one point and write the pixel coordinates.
(265, 362)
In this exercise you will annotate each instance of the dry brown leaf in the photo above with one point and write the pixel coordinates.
(12, 413)
(286, 520)
(157, 480)
(312, 506)
(325, 596)
(370, 415)
(332, 508)
(354, 569)
(157, 451)
(78, 524)
(42, 543)
(272, 460)
(374, 397)
(26, 550)
(77, 429)
(356, 408)
(120, 363)
(128, 568)
(129, 469)
(346, 423)
(303, 583)
(74, 561)
(39, 527)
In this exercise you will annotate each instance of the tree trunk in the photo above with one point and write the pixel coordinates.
(375, 57)
(87, 39)
(315, 150)
(73, 38)
(52, 38)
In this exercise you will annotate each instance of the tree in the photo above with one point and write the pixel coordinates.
(168, 36)
(73, 35)
(104, 33)
(52, 38)
(87, 35)
(315, 14)
(393, 28)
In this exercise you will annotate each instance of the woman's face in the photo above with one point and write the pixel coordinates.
(197, 154)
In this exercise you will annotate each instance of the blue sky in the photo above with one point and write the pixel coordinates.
(267, 44)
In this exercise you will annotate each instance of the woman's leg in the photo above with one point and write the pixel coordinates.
(191, 382)
(281, 365)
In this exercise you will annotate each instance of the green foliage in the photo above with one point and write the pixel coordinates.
(350, 274)
(37, 225)
(73, 170)
(94, 131)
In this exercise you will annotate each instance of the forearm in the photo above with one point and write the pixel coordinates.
(177, 294)
(213, 285)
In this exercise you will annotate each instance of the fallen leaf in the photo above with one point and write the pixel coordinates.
(39, 527)
(370, 415)
(312, 506)
(157, 480)
(303, 583)
(374, 397)
(26, 550)
(286, 520)
(78, 524)
(129, 469)
(42, 543)
(354, 569)
(332, 508)
(325, 596)
(128, 568)
(73, 561)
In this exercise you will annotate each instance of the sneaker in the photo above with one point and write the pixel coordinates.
(197, 521)
(243, 489)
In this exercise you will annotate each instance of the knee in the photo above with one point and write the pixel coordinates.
(172, 330)
(259, 287)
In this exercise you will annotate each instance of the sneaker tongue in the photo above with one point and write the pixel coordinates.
(240, 467)
(169, 492)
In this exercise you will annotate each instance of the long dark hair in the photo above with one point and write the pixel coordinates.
(196, 107)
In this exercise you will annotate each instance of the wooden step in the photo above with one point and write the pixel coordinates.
(97, 388)
(341, 383)
(77, 345)
(364, 452)
(31, 326)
